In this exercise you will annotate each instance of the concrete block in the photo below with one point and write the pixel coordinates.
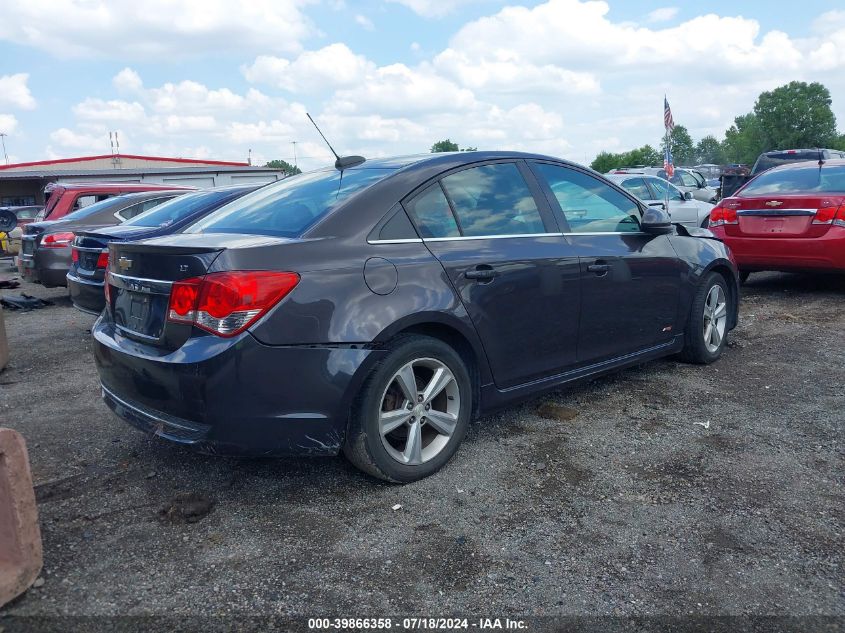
(20, 537)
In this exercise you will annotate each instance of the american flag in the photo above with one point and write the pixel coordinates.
(668, 122)
(668, 167)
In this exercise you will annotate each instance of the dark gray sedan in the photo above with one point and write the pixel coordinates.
(375, 310)
(45, 255)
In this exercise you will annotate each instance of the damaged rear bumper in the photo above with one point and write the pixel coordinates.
(233, 396)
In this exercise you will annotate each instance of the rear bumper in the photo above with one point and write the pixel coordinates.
(48, 267)
(233, 395)
(782, 253)
(86, 295)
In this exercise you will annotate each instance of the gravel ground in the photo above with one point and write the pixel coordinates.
(665, 489)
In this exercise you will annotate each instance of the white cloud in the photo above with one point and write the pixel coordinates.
(8, 123)
(14, 91)
(127, 80)
(432, 8)
(364, 22)
(109, 111)
(330, 67)
(663, 14)
(155, 28)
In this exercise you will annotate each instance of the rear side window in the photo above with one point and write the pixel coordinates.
(431, 212)
(137, 209)
(590, 205)
(810, 179)
(290, 206)
(637, 187)
(179, 208)
(493, 200)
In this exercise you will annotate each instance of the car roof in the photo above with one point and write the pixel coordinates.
(801, 150)
(105, 186)
(400, 162)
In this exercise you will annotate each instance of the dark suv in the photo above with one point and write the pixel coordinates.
(374, 310)
(767, 160)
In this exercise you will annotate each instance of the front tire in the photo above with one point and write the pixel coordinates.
(412, 413)
(707, 324)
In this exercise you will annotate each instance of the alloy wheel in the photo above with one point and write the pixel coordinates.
(419, 411)
(715, 318)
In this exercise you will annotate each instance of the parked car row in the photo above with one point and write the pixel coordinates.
(373, 309)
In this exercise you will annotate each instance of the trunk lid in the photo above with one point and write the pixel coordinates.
(141, 276)
(780, 216)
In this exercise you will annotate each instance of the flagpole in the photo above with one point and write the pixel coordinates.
(667, 152)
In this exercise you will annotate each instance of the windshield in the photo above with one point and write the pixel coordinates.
(289, 207)
(91, 209)
(181, 207)
(809, 179)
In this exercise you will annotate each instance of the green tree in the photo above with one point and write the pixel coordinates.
(683, 149)
(796, 115)
(444, 146)
(709, 150)
(645, 155)
(290, 170)
(744, 140)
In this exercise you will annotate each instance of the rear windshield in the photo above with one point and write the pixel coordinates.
(810, 179)
(289, 207)
(91, 209)
(179, 208)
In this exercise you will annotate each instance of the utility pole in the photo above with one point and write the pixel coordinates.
(3, 140)
(294, 153)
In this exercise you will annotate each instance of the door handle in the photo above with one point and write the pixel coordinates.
(483, 272)
(599, 268)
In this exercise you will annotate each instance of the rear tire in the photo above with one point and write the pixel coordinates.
(707, 325)
(412, 412)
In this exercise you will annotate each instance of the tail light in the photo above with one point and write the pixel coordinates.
(720, 216)
(839, 220)
(57, 240)
(227, 303)
(74, 255)
(103, 259)
(829, 215)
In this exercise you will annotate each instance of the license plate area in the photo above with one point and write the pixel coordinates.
(140, 305)
(775, 223)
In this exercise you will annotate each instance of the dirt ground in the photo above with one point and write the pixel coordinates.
(666, 489)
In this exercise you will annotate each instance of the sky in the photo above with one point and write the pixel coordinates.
(220, 78)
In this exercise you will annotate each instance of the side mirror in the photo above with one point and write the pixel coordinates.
(656, 221)
(687, 195)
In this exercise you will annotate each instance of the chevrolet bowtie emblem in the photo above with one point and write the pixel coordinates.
(774, 203)
(124, 263)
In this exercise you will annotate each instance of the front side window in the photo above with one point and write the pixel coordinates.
(493, 200)
(590, 205)
(687, 179)
(432, 215)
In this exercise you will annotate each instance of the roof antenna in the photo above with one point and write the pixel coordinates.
(342, 162)
(821, 158)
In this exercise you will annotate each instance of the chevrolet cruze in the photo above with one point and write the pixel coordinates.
(375, 309)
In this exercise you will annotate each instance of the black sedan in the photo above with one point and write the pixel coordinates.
(46, 246)
(375, 310)
(90, 248)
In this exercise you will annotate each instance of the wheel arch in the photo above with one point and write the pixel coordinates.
(455, 333)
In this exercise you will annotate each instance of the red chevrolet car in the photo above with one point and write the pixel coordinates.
(789, 218)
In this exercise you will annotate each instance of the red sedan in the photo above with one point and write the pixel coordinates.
(789, 218)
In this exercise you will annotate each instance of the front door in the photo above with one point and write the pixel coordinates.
(630, 280)
(518, 281)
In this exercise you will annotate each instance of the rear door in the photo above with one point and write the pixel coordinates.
(630, 280)
(493, 232)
